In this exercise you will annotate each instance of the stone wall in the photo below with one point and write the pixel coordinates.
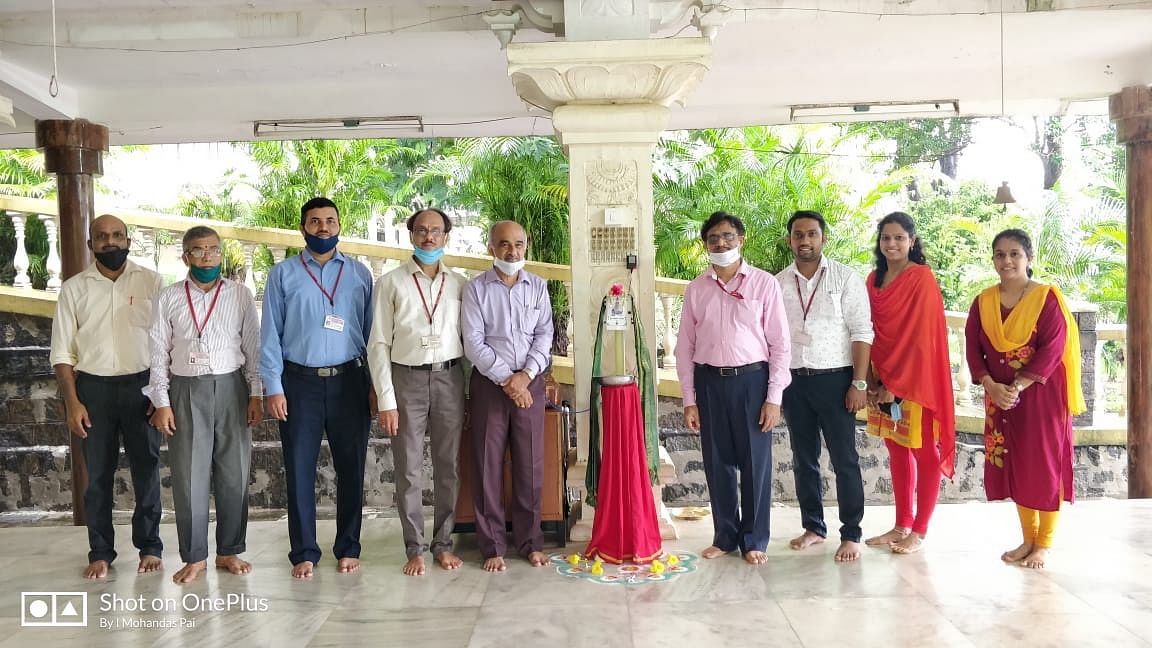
(35, 464)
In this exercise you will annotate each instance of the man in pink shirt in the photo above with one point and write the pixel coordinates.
(732, 358)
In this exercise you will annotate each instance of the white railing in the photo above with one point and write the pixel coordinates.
(150, 230)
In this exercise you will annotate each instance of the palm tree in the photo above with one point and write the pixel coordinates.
(761, 174)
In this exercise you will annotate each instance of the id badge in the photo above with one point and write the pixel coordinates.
(199, 358)
(802, 338)
(430, 341)
(334, 323)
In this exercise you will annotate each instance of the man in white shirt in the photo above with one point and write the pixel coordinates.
(414, 354)
(100, 356)
(205, 386)
(831, 323)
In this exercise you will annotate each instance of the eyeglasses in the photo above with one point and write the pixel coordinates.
(200, 253)
(422, 232)
(727, 237)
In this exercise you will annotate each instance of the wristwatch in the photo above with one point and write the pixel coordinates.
(862, 385)
(1019, 387)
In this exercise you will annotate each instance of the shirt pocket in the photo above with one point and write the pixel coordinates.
(139, 312)
(529, 317)
(747, 316)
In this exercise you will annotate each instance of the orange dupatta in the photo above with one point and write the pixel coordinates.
(910, 351)
(1015, 331)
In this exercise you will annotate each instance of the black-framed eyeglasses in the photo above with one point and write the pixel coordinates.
(727, 237)
(200, 253)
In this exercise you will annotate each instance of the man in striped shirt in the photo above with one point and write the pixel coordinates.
(205, 386)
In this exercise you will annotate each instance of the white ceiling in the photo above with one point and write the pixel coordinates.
(331, 59)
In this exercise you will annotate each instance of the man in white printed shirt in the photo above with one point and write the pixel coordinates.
(414, 354)
(831, 324)
(205, 386)
(100, 355)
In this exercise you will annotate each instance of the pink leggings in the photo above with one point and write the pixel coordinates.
(914, 471)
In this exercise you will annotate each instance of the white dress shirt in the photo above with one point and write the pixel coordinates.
(401, 331)
(101, 326)
(839, 314)
(230, 337)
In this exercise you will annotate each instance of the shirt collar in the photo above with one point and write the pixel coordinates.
(93, 272)
(742, 271)
(491, 277)
(414, 268)
(823, 265)
(307, 254)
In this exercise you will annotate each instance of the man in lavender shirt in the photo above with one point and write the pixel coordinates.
(732, 359)
(506, 322)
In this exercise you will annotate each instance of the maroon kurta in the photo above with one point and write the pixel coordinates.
(1028, 449)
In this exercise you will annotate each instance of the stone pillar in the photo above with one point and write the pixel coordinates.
(1131, 110)
(74, 151)
(1085, 316)
(609, 102)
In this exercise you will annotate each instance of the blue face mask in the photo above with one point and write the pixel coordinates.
(428, 257)
(319, 245)
(205, 275)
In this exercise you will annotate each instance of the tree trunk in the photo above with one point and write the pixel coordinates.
(949, 163)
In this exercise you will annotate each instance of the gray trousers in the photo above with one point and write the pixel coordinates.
(432, 403)
(212, 445)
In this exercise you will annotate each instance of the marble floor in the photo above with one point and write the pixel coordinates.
(1096, 591)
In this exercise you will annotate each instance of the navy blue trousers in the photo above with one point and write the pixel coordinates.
(815, 404)
(737, 457)
(336, 406)
(118, 411)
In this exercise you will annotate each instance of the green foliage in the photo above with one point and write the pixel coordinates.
(922, 140)
(22, 174)
(355, 174)
(762, 175)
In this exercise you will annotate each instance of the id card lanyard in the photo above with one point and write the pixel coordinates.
(332, 321)
(199, 358)
(803, 337)
(432, 340)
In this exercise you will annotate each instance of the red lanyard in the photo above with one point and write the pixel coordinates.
(730, 293)
(807, 307)
(211, 307)
(430, 313)
(331, 297)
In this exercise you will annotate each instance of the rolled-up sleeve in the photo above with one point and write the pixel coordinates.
(857, 310)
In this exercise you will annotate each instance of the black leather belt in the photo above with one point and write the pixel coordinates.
(324, 372)
(140, 375)
(432, 366)
(805, 371)
(735, 371)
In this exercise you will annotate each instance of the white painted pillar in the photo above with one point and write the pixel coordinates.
(20, 260)
(52, 264)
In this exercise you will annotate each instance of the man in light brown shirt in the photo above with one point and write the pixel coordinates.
(100, 355)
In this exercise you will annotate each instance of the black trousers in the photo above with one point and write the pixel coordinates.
(118, 412)
(815, 405)
(338, 407)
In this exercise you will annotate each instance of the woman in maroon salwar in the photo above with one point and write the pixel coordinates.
(1023, 347)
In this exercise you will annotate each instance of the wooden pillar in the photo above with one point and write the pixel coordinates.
(74, 151)
(1131, 110)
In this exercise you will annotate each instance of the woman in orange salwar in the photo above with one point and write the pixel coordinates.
(1023, 347)
(910, 387)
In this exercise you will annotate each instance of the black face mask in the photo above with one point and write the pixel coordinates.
(112, 259)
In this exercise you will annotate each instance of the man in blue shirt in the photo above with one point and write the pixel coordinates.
(317, 315)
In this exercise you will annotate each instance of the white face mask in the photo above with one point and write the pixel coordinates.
(507, 268)
(726, 258)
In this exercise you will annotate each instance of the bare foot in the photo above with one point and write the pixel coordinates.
(895, 535)
(494, 564)
(303, 569)
(233, 564)
(96, 569)
(713, 552)
(1035, 560)
(1017, 554)
(847, 551)
(912, 543)
(347, 565)
(537, 559)
(414, 566)
(807, 539)
(448, 560)
(149, 564)
(189, 572)
(755, 557)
